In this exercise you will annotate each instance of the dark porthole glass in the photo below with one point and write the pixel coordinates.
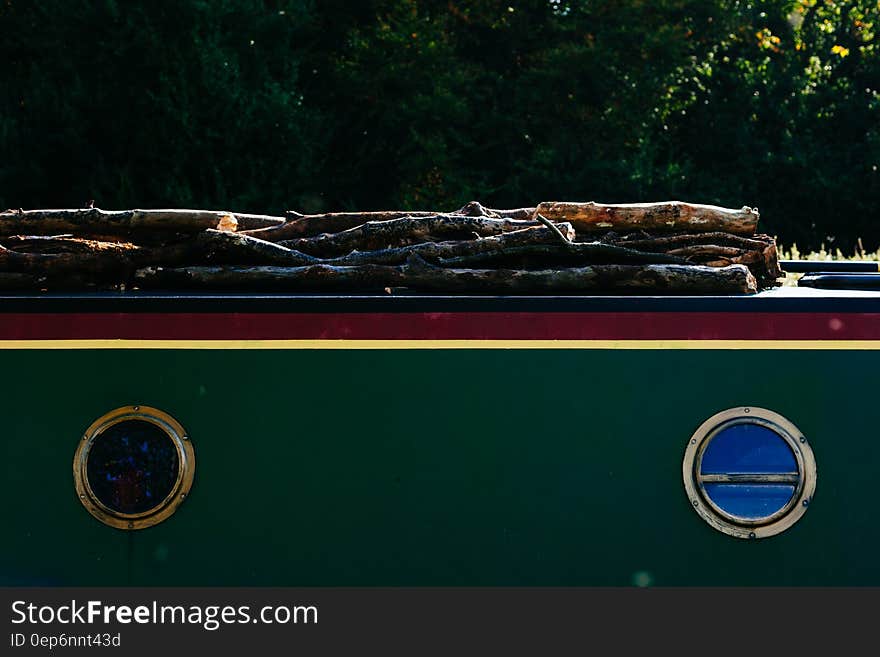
(132, 466)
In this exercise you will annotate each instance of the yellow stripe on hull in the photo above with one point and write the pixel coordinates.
(443, 344)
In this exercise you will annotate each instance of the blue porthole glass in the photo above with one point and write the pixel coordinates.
(749, 501)
(747, 447)
(749, 472)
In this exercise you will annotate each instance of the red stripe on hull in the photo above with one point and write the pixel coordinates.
(440, 326)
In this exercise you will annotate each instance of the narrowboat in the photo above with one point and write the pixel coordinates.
(278, 439)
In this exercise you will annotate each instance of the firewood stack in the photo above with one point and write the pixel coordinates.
(554, 248)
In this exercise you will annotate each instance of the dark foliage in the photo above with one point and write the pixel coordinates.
(266, 105)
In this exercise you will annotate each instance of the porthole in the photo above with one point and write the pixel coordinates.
(749, 472)
(133, 467)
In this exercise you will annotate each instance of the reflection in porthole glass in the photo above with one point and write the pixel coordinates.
(132, 466)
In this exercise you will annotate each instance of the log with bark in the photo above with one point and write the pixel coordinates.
(63, 255)
(308, 225)
(94, 221)
(657, 217)
(562, 255)
(237, 248)
(95, 261)
(715, 249)
(304, 225)
(256, 221)
(437, 251)
(419, 275)
(404, 231)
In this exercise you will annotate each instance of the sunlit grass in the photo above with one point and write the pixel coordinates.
(793, 253)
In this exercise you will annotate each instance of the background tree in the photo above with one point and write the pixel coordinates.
(265, 105)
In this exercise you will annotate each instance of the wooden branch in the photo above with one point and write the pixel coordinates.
(476, 209)
(667, 217)
(207, 246)
(238, 248)
(419, 275)
(666, 242)
(256, 221)
(89, 260)
(706, 253)
(54, 244)
(94, 221)
(518, 213)
(298, 225)
(758, 252)
(562, 238)
(401, 232)
(87, 257)
(434, 251)
(764, 264)
(310, 278)
(562, 255)
(659, 279)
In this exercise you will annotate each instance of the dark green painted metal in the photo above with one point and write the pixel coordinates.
(421, 467)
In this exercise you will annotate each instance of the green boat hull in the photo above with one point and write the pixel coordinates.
(436, 467)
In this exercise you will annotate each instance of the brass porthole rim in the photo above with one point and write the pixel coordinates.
(185, 464)
(740, 527)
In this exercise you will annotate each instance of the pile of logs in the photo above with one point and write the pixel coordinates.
(653, 248)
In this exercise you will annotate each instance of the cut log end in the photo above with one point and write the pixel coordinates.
(228, 223)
